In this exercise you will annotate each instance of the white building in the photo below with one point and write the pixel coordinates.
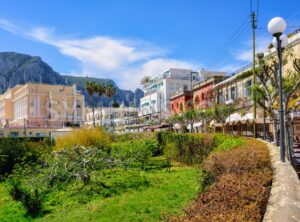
(111, 116)
(157, 93)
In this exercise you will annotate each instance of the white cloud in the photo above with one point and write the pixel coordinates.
(103, 52)
(123, 60)
(133, 76)
(245, 54)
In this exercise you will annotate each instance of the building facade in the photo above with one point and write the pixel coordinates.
(41, 106)
(111, 116)
(203, 93)
(157, 94)
(181, 101)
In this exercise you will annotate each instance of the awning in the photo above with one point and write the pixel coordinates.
(233, 118)
(197, 124)
(177, 126)
(214, 123)
(194, 125)
(248, 116)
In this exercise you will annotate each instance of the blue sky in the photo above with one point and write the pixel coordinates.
(126, 39)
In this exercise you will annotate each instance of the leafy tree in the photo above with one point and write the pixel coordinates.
(77, 163)
(190, 117)
(221, 112)
(267, 88)
(206, 116)
(115, 104)
(177, 119)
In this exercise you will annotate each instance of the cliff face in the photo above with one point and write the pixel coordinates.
(16, 68)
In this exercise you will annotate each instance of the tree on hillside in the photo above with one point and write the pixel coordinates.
(145, 80)
(91, 88)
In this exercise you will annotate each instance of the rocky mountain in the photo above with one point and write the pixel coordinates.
(17, 68)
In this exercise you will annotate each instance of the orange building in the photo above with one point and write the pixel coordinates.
(180, 101)
(41, 106)
(203, 96)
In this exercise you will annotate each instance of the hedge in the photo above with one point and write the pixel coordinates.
(240, 182)
(193, 148)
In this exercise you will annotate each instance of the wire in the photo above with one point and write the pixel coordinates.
(236, 35)
(257, 11)
(293, 15)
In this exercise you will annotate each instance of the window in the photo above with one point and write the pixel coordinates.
(220, 96)
(181, 107)
(171, 86)
(78, 105)
(197, 100)
(247, 88)
(202, 96)
(14, 134)
(232, 93)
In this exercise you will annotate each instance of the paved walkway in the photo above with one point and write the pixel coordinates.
(284, 201)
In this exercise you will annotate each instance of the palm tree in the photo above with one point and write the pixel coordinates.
(100, 90)
(145, 80)
(91, 88)
(110, 91)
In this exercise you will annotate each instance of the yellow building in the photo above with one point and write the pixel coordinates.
(41, 106)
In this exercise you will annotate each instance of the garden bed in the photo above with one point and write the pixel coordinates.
(136, 177)
(238, 184)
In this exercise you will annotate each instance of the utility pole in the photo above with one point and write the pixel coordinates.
(253, 26)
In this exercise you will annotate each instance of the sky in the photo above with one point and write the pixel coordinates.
(124, 40)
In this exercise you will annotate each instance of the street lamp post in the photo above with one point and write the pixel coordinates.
(276, 27)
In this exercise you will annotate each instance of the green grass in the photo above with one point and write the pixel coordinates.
(10, 210)
(132, 196)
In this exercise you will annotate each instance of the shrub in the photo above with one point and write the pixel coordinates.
(236, 185)
(32, 202)
(15, 191)
(229, 144)
(19, 151)
(193, 148)
(77, 163)
(87, 137)
(134, 136)
(31, 199)
(131, 152)
(170, 152)
(249, 157)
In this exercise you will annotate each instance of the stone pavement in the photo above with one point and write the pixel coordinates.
(284, 201)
